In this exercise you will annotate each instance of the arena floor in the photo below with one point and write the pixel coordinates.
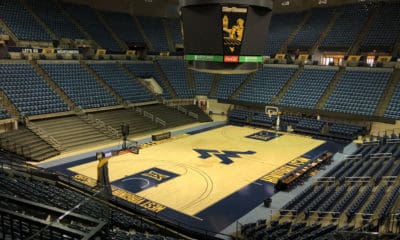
(206, 179)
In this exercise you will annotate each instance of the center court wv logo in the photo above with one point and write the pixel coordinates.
(225, 156)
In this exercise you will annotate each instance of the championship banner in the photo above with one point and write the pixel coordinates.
(48, 50)
(280, 56)
(384, 58)
(130, 52)
(354, 58)
(303, 57)
(101, 52)
(233, 27)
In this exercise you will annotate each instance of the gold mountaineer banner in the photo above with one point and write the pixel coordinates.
(233, 27)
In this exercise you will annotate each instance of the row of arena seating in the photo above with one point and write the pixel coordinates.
(351, 19)
(298, 123)
(358, 91)
(52, 193)
(340, 204)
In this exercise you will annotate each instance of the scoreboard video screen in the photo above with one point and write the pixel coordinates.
(225, 35)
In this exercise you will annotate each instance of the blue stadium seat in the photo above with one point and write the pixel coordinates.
(351, 22)
(55, 19)
(124, 26)
(393, 110)
(154, 29)
(175, 26)
(312, 29)
(266, 84)
(228, 84)
(175, 71)
(147, 69)
(79, 85)
(385, 28)
(308, 88)
(282, 25)
(28, 91)
(88, 19)
(21, 22)
(203, 82)
(358, 92)
(129, 89)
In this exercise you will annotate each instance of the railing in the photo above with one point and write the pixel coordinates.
(97, 123)
(14, 147)
(193, 115)
(148, 115)
(160, 121)
(44, 135)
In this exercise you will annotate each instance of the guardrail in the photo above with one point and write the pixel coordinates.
(148, 115)
(97, 123)
(160, 121)
(44, 135)
(193, 115)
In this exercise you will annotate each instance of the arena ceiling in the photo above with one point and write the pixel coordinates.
(168, 8)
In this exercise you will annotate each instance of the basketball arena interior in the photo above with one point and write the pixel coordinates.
(187, 119)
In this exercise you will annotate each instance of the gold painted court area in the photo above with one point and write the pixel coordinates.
(203, 182)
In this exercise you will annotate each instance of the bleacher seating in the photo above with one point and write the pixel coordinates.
(228, 84)
(385, 28)
(358, 92)
(282, 25)
(129, 89)
(393, 110)
(310, 125)
(266, 84)
(154, 29)
(79, 85)
(312, 29)
(147, 69)
(308, 88)
(88, 19)
(175, 26)
(348, 22)
(175, 72)
(124, 26)
(346, 130)
(29, 92)
(238, 116)
(4, 114)
(55, 19)
(50, 193)
(203, 82)
(21, 22)
(172, 117)
(115, 118)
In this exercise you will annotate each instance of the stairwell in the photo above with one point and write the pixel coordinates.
(386, 97)
(337, 12)
(43, 74)
(287, 85)
(93, 43)
(214, 85)
(396, 48)
(331, 87)
(355, 48)
(103, 83)
(39, 20)
(169, 35)
(8, 31)
(291, 37)
(142, 32)
(134, 78)
(121, 43)
(7, 104)
(242, 86)
(163, 78)
(190, 79)
(44, 135)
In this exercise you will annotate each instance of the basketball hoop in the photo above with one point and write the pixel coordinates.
(273, 111)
